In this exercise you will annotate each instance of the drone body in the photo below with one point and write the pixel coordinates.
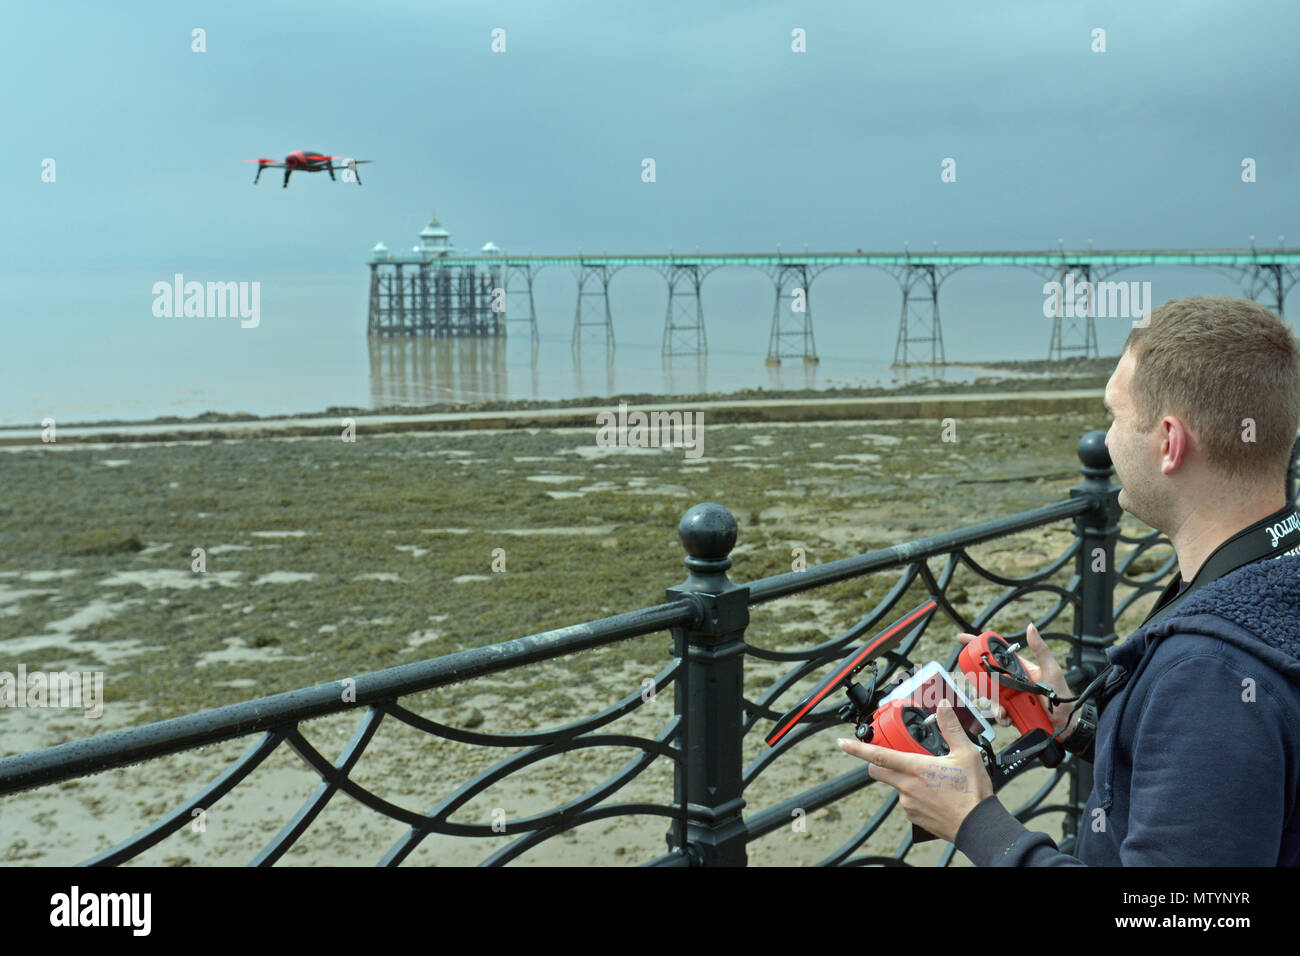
(308, 161)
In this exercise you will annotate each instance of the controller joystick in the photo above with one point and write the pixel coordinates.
(991, 664)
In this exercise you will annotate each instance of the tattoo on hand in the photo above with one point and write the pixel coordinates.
(950, 778)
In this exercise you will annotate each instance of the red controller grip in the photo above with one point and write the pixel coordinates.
(897, 726)
(1025, 708)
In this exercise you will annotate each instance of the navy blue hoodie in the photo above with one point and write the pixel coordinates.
(1197, 754)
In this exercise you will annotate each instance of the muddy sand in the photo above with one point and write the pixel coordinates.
(325, 559)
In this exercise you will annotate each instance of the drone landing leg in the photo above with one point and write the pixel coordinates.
(286, 177)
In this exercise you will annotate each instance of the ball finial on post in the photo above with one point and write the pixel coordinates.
(1093, 451)
(708, 533)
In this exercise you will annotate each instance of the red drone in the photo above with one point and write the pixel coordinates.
(308, 161)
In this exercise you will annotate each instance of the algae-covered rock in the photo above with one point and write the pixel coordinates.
(104, 541)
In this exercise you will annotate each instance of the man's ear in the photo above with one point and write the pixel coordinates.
(1176, 443)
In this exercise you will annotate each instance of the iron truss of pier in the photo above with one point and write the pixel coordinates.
(434, 290)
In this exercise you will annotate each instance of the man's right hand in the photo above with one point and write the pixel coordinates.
(1045, 671)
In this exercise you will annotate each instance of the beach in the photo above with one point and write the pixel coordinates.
(325, 558)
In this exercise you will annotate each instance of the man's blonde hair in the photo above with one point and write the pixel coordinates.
(1216, 361)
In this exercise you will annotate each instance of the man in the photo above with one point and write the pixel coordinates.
(1197, 744)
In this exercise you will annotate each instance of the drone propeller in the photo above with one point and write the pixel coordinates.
(842, 676)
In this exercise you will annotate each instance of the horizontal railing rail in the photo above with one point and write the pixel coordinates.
(844, 569)
(134, 744)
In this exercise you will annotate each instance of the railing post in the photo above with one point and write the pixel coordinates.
(1094, 616)
(709, 697)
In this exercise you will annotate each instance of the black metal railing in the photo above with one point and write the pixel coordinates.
(710, 822)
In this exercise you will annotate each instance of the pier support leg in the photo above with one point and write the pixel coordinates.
(425, 302)
(592, 321)
(792, 329)
(918, 325)
(375, 316)
(1079, 331)
(399, 309)
(684, 323)
(519, 298)
(1266, 287)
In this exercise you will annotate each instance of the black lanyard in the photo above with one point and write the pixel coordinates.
(1269, 537)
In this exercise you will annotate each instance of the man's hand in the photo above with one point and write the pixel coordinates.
(1046, 671)
(935, 792)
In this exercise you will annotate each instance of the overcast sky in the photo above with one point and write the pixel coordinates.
(540, 147)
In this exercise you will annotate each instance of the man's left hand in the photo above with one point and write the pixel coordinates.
(935, 792)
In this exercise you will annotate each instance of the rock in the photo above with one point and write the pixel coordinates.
(104, 541)
(474, 719)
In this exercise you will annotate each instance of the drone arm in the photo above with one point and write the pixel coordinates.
(352, 166)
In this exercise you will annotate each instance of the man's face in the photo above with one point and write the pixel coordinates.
(1135, 455)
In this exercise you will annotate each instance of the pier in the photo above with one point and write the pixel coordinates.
(434, 290)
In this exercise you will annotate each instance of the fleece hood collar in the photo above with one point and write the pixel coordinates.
(1255, 608)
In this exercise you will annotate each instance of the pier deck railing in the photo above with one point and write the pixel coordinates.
(709, 820)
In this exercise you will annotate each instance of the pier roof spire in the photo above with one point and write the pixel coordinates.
(435, 238)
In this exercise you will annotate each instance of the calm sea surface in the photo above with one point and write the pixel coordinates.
(92, 350)
(229, 373)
